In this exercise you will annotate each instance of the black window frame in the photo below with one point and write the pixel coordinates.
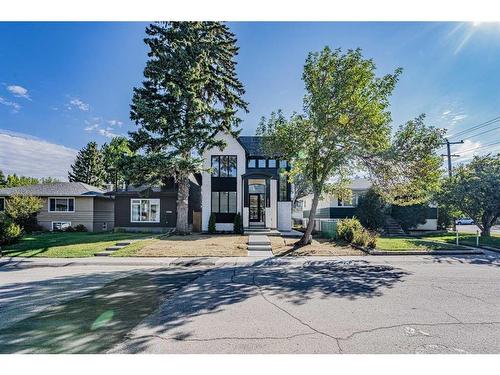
(258, 163)
(269, 163)
(254, 163)
(283, 161)
(2, 204)
(229, 194)
(217, 172)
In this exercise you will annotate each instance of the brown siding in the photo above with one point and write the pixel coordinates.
(84, 214)
(104, 214)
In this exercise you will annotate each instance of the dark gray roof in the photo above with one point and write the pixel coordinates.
(252, 144)
(57, 189)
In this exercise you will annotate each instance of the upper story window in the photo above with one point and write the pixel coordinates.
(252, 163)
(283, 164)
(271, 163)
(262, 163)
(145, 210)
(61, 204)
(224, 166)
(2, 204)
(283, 188)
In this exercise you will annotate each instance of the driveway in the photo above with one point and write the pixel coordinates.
(413, 304)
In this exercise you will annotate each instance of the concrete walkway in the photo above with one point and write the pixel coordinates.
(259, 245)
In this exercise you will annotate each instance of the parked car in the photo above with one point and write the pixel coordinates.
(464, 221)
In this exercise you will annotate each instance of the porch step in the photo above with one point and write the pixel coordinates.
(114, 248)
(124, 243)
(258, 240)
(103, 254)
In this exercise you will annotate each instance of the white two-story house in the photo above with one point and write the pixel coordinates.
(243, 180)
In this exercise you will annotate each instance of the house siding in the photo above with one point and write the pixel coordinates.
(104, 214)
(84, 214)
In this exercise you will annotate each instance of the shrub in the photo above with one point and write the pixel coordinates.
(80, 228)
(371, 210)
(10, 232)
(69, 228)
(211, 224)
(22, 210)
(409, 216)
(347, 228)
(238, 224)
(372, 240)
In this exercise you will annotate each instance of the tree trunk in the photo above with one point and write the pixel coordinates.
(307, 237)
(182, 226)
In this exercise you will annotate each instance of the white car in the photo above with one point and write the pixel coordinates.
(464, 221)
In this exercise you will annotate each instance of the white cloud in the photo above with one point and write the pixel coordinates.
(115, 123)
(79, 104)
(15, 107)
(96, 125)
(28, 156)
(18, 91)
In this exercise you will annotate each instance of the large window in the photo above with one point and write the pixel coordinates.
(61, 204)
(271, 163)
(262, 163)
(145, 211)
(252, 163)
(2, 204)
(283, 164)
(224, 166)
(224, 202)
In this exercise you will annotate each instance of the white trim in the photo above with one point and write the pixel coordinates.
(60, 222)
(3, 199)
(154, 200)
(67, 199)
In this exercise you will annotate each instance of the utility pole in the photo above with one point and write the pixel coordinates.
(449, 155)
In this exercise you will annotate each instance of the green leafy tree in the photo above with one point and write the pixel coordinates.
(49, 180)
(409, 216)
(2, 179)
(88, 166)
(371, 210)
(189, 94)
(22, 210)
(344, 127)
(14, 180)
(474, 190)
(115, 155)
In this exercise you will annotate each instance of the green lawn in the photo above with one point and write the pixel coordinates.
(466, 239)
(68, 245)
(408, 244)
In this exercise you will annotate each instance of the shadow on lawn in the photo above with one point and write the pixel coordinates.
(102, 318)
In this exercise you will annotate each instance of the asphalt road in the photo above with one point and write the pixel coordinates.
(474, 228)
(413, 304)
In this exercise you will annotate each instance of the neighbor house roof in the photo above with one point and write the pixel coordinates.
(57, 189)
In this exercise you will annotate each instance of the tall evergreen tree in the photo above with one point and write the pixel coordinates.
(2, 179)
(115, 155)
(190, 92)
(88, 166)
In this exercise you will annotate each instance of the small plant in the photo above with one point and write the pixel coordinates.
(347, 228)
(10, 232)
(80, 228)
(238, 224)
(372, 240)
(211, 224)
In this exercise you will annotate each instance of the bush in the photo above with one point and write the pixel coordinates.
(22, 210)
(409, 216)
(211, 224)
(352, 231)
(80, 228)
(347, 228)
(238, 224)
(10, 232)
(69, 228)
(371, 210)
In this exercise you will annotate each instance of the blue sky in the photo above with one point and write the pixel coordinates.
(64, 84)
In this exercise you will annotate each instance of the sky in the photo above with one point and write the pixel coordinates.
(65, 84)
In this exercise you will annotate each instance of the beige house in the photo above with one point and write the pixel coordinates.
(68, 204)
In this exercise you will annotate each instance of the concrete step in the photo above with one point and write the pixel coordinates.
(266, 254)
(124, 243)
(258, 240)
(102, 254)
(114, 248)
(259, 248)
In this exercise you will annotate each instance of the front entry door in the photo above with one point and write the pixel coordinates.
(256, 203)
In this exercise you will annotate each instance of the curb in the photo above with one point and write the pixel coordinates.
(472, 251)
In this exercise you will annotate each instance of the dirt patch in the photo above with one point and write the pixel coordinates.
(197, 245)
(319, 247)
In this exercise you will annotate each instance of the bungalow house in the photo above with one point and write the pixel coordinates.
(243, 180)
(332, 208)
(153, 208)
(67, 204)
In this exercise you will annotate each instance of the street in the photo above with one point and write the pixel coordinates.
(386, 304)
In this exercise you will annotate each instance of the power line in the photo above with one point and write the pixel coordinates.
(484, 132)
(478, 126)
(449, 155)
(480, 147)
